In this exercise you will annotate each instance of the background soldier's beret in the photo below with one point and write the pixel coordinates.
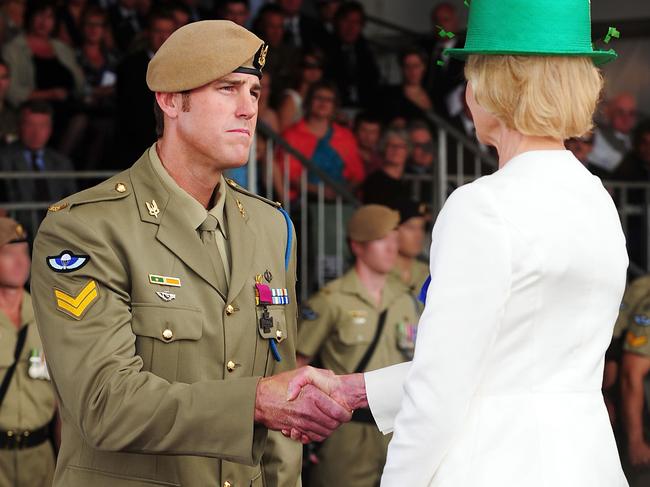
(11, 231)
(201, 52)
(372, 222)
(408, 209)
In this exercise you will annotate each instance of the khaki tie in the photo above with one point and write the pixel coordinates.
(208, 229)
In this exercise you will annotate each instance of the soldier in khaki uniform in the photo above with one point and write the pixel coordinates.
(362, 321)
(27, 405)
(411, 231)
(165, 296)
(635, 388)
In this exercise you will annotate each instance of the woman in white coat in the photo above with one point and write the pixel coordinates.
(528, 268)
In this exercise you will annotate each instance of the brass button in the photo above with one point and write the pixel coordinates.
(120, 187)
(167, 334)
(230, 309)
(231, 365)
(227, 484)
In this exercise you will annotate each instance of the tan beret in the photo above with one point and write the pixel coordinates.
(201, 52)
(11, 231)
(372, 222)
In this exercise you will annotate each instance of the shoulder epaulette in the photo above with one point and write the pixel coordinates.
(239, 189)
(106, 191)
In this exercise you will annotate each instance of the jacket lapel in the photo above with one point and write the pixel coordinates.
(242, 244)
(174, 232)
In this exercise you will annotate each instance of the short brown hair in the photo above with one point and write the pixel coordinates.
(159, 115)
(549, 96)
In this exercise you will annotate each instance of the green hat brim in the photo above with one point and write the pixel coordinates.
(599, 57)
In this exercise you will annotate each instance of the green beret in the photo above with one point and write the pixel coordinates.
(201, 52)
(372, 222)
(11, 231)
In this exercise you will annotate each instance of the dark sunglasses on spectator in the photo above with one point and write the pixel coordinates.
(424, 146)
(628, 113)
(311, 65)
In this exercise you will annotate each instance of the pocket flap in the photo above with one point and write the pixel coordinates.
(167, 324)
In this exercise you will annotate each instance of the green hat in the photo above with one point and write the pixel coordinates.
(530, 28)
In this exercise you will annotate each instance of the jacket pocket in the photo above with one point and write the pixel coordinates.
(351, 333)
(89, 476)
(164, 335)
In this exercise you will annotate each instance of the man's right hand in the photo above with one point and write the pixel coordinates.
(312, 413)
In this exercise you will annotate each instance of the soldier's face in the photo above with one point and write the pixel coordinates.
(14, 265)
(220, 122)
(379, 255)
(411, 237)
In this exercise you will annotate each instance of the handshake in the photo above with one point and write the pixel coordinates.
(308, 404)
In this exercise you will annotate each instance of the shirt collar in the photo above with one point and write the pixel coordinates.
(195, 212)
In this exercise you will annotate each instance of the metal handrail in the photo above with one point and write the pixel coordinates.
(56, 174)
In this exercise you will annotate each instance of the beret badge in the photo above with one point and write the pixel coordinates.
(260, 57)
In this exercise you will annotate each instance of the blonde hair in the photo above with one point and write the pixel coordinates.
(550, 96)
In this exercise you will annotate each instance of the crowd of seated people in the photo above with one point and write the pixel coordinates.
(87, 59)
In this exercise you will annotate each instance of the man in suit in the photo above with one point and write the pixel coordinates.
(300, 30)
(125, 23)
(351, 63)
(31, 154)
(613, 139)
(166, 299)
(135, 121)
(442, 80)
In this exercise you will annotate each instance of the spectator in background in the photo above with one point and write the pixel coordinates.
(409, 99)
(581, 148)
(300, 30)
(32, 154)
(99, 65)
(326, 13)
(443, 80)
(70, 26)
(8, 115)
(331, 146)
(386, 186)
(181, 13)
(423, 148)
(125, 23)
(350, 62)
(136, 125)
(367, 130)
(310, 71)
(464, 123)
(612, 140)
(282, 58)
(12, 14)
(44, 68)
(196, 12)
(234, 10)
(636, 163)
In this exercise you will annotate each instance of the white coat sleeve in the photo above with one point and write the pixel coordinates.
(385, 390)
(470, 284)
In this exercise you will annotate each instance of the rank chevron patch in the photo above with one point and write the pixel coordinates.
(76, 306)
